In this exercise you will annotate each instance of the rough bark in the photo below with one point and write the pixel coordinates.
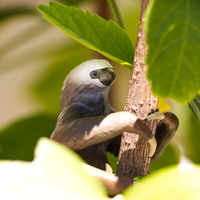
(133, 157)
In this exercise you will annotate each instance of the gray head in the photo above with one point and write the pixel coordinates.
(93, 76)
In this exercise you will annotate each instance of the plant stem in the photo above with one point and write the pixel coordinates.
(115, 10)
(134, 158)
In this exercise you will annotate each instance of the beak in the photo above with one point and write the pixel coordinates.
(107, 76)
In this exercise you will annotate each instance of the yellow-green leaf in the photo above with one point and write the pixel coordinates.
(55, 173)
(174, 182)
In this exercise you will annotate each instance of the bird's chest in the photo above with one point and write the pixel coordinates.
(94, 104)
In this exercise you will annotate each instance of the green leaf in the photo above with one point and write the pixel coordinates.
(19, 139)
(55, 173)
(174, 44)
(195, 107)
(103, 36)
(174, 182)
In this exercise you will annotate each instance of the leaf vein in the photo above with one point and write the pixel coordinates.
(190, 67)
(166, 32)
(195, 29)
(112, 40)
(182, 49)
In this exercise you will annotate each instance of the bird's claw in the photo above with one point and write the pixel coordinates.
(153, 144)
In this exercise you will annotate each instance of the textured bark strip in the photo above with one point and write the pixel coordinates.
(133, 157)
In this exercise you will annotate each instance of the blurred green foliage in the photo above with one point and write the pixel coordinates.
(18, 139)
(17, 142)
(169, 157)
(47, 89)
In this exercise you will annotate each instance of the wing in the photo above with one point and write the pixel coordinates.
(81, 133)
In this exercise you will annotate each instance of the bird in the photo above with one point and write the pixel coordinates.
(88, 124)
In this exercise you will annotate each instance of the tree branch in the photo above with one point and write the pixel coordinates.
(133, 157)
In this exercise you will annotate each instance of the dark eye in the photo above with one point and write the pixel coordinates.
(94, 74)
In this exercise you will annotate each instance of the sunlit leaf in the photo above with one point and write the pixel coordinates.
(92, 31)
(18, 140)
(174, 182)
(173, 48)
(55, 173)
